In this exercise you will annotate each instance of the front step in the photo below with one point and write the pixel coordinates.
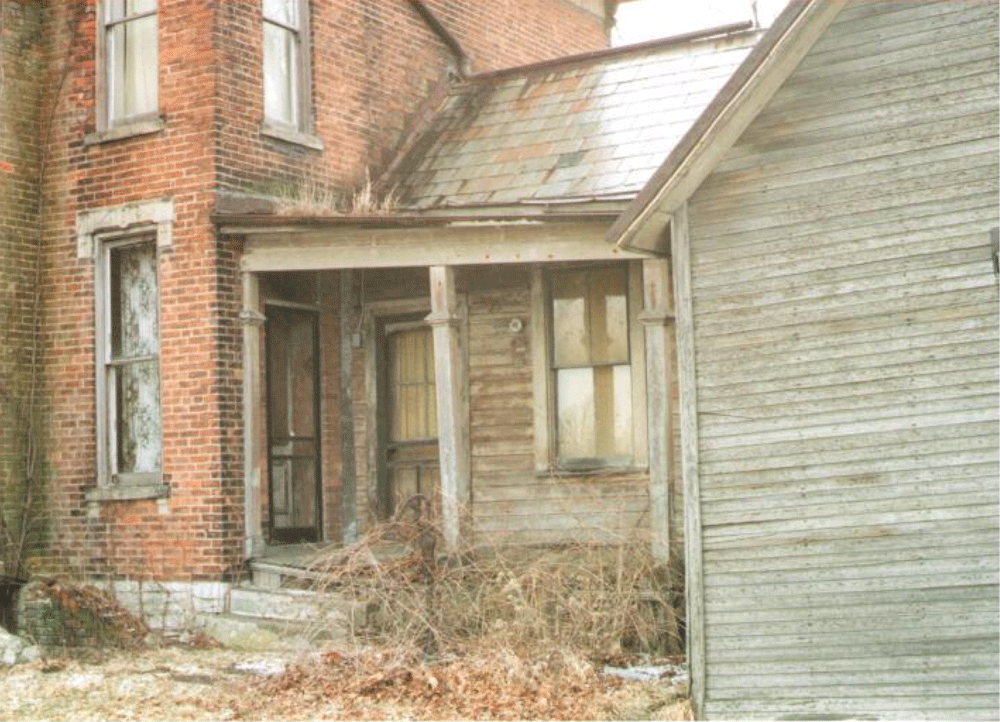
(322, 610)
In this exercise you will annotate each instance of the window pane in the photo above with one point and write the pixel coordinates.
(575, 402)
(134, 325)
(608, 316)
(280, 75)
(569, 320)
(413, 400)
(282, 11)
(138, 413)
(132, 68)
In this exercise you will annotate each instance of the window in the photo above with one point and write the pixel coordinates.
(129, 349)
(591, 403)
(286, 64)
(128, 41)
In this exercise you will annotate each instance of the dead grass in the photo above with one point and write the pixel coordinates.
(598, 601)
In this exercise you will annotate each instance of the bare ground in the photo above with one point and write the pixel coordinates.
(183, 683)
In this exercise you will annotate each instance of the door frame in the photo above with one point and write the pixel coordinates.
(375, 316)
(271, 309)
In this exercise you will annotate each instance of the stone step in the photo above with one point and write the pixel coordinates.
(258, 634)
(320, 610)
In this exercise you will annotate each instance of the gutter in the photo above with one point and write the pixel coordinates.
(463, 63)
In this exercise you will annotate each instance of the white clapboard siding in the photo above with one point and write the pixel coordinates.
(846, 350)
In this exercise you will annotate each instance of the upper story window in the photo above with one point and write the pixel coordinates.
(286, 64)
(128, 35)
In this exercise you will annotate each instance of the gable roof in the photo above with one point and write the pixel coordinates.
(585, 128)
(722, 121)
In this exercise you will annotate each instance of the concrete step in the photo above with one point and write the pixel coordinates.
(320, 610)
(258, 634)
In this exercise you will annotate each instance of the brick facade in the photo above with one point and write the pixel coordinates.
(374, 66)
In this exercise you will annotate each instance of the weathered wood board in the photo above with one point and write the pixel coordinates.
(845, 331)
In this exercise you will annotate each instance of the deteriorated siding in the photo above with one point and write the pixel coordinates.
(845, 316)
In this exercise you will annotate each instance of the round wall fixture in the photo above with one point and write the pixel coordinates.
(515, 325)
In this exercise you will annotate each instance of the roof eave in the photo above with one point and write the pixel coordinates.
(734, 107)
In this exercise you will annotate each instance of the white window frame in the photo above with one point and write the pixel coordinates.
(98, 232)
(109, 127)
(300, 84)
(546, 423)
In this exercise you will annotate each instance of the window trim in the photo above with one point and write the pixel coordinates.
(109, 128)
(98, 231)
(300, 132)
(543, 376)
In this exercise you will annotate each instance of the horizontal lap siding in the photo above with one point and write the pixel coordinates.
(846, 343)
(510, 502)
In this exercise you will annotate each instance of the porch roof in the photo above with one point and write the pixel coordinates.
(589, 127)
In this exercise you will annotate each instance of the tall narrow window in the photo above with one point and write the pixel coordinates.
(286, 77)
(131, 348)
(591, 367)
(129, 36)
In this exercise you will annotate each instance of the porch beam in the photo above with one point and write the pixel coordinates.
(252, 320)
(457, 245)
(452, 405)
(658, 321)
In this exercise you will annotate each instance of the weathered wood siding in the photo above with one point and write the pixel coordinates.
(846, 354)
(510, 502)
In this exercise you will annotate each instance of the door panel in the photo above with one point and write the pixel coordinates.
(293, 425)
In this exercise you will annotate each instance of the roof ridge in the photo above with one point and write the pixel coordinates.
(623, 50)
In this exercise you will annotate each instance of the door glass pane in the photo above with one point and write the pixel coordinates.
(569, 319)
(134, 323)
(138, 414)
(412, 390)
(301, 376)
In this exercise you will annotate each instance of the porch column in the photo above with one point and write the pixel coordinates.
(252, 320)
(452, 404)
(657, 318)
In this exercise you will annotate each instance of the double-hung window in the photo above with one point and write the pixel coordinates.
(286, 64)
(130, 348)
(128, 38)
(589, 369)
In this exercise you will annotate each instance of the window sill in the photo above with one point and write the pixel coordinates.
(290, 135)
(129, 129)
(128, 492)
(595, 470)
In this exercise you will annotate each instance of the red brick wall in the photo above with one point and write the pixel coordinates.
(374, 63)
(21, 62)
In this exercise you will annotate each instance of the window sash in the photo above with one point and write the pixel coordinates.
(592, 412)
(131, 67)
(137, 463)
(282, 75)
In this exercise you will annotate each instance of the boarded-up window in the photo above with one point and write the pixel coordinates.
(591, 365)
(132, 358)
(130, 59)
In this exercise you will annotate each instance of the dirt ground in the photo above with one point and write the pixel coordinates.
(184, 683)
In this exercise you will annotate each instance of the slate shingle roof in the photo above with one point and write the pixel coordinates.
(596, 128)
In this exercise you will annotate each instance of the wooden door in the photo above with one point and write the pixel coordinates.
(293, 425)
(411, 409)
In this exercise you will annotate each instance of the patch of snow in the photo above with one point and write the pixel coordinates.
(262, 667)
(83, 681)
(647, 673)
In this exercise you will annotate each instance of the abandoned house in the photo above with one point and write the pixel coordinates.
(269, 269)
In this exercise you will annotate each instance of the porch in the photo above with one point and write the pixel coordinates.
(419, 357)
